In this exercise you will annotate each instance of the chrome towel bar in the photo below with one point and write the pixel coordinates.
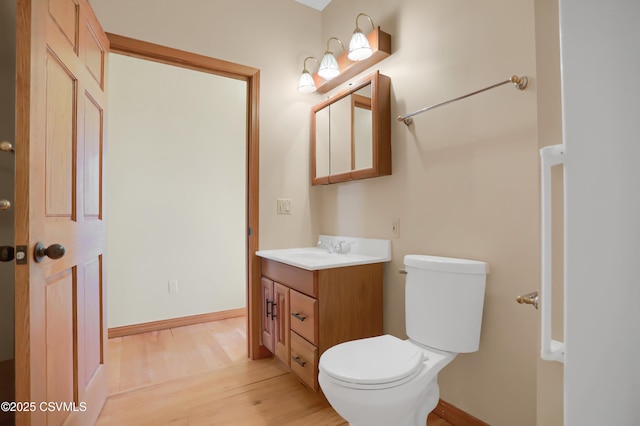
(520, 83)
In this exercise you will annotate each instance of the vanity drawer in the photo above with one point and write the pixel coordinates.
(296, 278)
(304, 360)
(304, 314)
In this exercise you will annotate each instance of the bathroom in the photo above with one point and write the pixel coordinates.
(465, 179)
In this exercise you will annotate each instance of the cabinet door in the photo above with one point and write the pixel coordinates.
(267, 307)
(281, 322)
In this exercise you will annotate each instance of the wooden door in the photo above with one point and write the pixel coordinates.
(60, 334)
(281, 322)
(266, 325)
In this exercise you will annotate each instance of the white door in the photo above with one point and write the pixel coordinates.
(600, 44)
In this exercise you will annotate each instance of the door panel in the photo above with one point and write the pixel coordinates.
(59, 335)
(65, 15)
(92, 158)
(60, 138)
(61, 104)
(266, 325)
(92, 327)
(281, 323)
(94, 55)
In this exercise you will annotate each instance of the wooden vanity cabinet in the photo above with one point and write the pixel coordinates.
(322, 308)
(275, 318)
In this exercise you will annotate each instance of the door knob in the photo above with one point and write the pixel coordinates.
(7, 253)
(529, 299)
(5, 204)
(54, 251)
(6, 146)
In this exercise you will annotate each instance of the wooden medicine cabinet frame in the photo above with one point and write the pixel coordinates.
(380, 131)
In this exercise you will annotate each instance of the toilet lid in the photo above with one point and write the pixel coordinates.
(374, 360)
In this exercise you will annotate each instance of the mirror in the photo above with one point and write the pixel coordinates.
(351, 133)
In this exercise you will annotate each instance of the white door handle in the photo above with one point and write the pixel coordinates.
(550, 350)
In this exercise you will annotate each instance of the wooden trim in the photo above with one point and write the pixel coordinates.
(128, 330)
(456, 416)
(154, 52)
(255, 350)
(167, 55)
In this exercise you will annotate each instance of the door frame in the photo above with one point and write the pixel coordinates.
(166, 55)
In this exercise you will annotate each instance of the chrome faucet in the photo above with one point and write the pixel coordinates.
(339, 247)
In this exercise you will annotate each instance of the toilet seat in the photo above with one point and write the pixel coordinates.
(373, 363)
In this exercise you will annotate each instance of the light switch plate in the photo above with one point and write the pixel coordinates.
(284, 206)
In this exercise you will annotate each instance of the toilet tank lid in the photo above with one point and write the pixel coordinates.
(446, 264)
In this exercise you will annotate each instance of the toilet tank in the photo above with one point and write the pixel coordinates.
(443, 301)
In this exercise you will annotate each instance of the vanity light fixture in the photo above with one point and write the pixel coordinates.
(359, 47)
(364, 52)
(329, 66)
(306, 83)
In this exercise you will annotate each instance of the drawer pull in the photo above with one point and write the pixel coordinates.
(299, 361)
(298, 316)
(273, 310)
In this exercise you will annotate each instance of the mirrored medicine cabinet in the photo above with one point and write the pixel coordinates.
(351, 133)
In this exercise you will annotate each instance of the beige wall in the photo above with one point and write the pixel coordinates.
(7, 168)
(549, 384)
(176, 192)
(464, 183)
(274, 36)
(227, 30)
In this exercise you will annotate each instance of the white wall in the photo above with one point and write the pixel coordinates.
(176, 197)
(7, 168)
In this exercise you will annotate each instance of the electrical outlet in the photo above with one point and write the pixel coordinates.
(173, 286)
(395, 228)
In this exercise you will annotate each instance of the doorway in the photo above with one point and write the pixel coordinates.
(143, 50)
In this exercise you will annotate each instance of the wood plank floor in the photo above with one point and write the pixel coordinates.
(200, 375)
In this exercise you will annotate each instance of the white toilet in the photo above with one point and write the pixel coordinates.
(388, 381)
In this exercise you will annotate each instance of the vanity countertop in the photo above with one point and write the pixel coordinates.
(359, 251)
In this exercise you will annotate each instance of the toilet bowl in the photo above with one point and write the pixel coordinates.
(395, 384)
(384, 380)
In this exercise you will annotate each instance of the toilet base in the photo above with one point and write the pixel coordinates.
(392, 409)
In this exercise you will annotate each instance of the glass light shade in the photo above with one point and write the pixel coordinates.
(359, 47)
(329, 66)
(306, 83)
